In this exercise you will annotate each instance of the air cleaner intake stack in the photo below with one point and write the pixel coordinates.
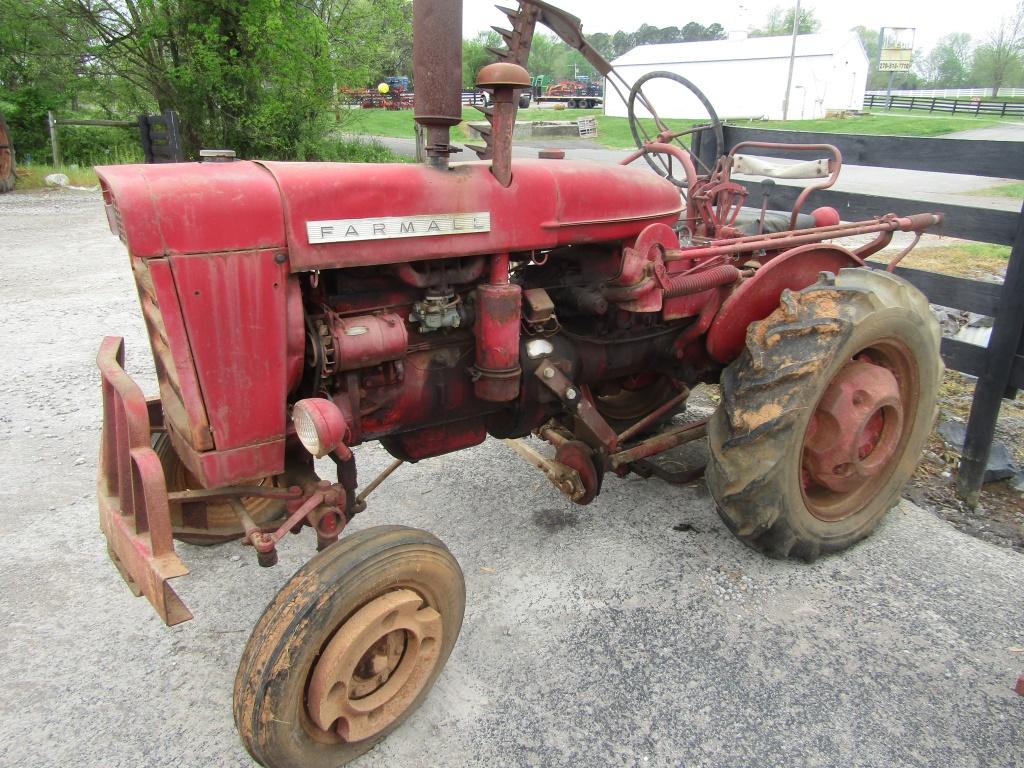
(437, 68)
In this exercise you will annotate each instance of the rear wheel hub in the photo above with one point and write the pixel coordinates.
(853, 435)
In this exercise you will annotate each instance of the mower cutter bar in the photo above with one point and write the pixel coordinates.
(132, 491)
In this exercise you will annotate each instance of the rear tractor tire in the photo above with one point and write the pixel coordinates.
(348, 648)
(824, 414)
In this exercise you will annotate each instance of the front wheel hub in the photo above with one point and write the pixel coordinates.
(375, 666)
(855, 430)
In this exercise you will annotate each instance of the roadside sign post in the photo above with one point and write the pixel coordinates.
(895, 51)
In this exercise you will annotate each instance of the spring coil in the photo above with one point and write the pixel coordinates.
(685, 285)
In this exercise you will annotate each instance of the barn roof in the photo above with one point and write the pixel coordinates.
(819, 44)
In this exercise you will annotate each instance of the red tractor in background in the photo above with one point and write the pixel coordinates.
(574, 94)
(297, 310)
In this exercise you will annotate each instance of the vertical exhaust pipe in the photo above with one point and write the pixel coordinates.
(437, 68)
(502, 79)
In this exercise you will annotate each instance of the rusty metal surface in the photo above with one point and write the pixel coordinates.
(666, 440)
(855, 429)
(519, 39)
(858, 432)
(437, 62)
(655, 415)
(497, 338)
(7, 175)
(565, 478)
(133, 505)
(672, 150)
(590, 425)
(368, 340)
(580, 457)
(148, 212)
(375, 665)
(502, 79)
(182, 402)
(547, 204)
(570, 29)
(220, 294)
(758, 297)
(236, 491)
(377, 481)
(777, 241)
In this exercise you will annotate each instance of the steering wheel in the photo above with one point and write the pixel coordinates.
(653, 128)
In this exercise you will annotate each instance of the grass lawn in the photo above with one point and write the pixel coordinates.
(31, 176)
(614, 131)
(1013, 189)
(973, 260)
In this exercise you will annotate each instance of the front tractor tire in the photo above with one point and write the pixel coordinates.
(824, 414)
(348, 648)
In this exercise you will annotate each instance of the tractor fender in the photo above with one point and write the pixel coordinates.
(758, 296)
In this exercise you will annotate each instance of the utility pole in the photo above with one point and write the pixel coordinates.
(792, 60)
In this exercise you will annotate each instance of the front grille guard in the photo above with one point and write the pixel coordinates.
(132, 491)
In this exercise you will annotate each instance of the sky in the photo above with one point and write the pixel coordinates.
(932, 19)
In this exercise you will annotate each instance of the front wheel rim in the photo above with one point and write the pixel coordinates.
(376, 665)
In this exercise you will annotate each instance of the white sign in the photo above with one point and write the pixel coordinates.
(896, 49)
(390, 227)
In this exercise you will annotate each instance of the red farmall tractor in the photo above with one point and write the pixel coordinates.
(297, 310)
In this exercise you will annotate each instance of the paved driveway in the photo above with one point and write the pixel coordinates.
(1003, 132)
(605, 635)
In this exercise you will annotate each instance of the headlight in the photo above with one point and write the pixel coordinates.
(319, 424)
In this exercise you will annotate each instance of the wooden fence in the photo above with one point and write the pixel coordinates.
(954, 93)
(945, 105)
(160, 135)
(999, 368)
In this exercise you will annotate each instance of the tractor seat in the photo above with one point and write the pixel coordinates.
(778, 221)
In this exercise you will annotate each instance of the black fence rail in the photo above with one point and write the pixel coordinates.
(999, 367)
(946, 104)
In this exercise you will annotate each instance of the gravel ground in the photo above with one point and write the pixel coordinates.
(635, 631)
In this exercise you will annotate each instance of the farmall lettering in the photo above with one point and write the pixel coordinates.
(601, 298)
(386, 228)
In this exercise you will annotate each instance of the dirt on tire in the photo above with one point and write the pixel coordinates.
(769, 394)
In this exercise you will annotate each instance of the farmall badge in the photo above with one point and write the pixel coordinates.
(386, 228)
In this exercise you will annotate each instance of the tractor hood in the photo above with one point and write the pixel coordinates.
(331, 215)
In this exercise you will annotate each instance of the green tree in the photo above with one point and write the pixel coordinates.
(39, 71)
(780, 22)
(475, 55)
(869, 37)
(998, 61)
(603, 44)
(622, 42)
(549, 56)
(948, 64)
(714, 32)
(259, 76)
(694, 32)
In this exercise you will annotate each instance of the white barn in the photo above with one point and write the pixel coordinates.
(746, 78)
